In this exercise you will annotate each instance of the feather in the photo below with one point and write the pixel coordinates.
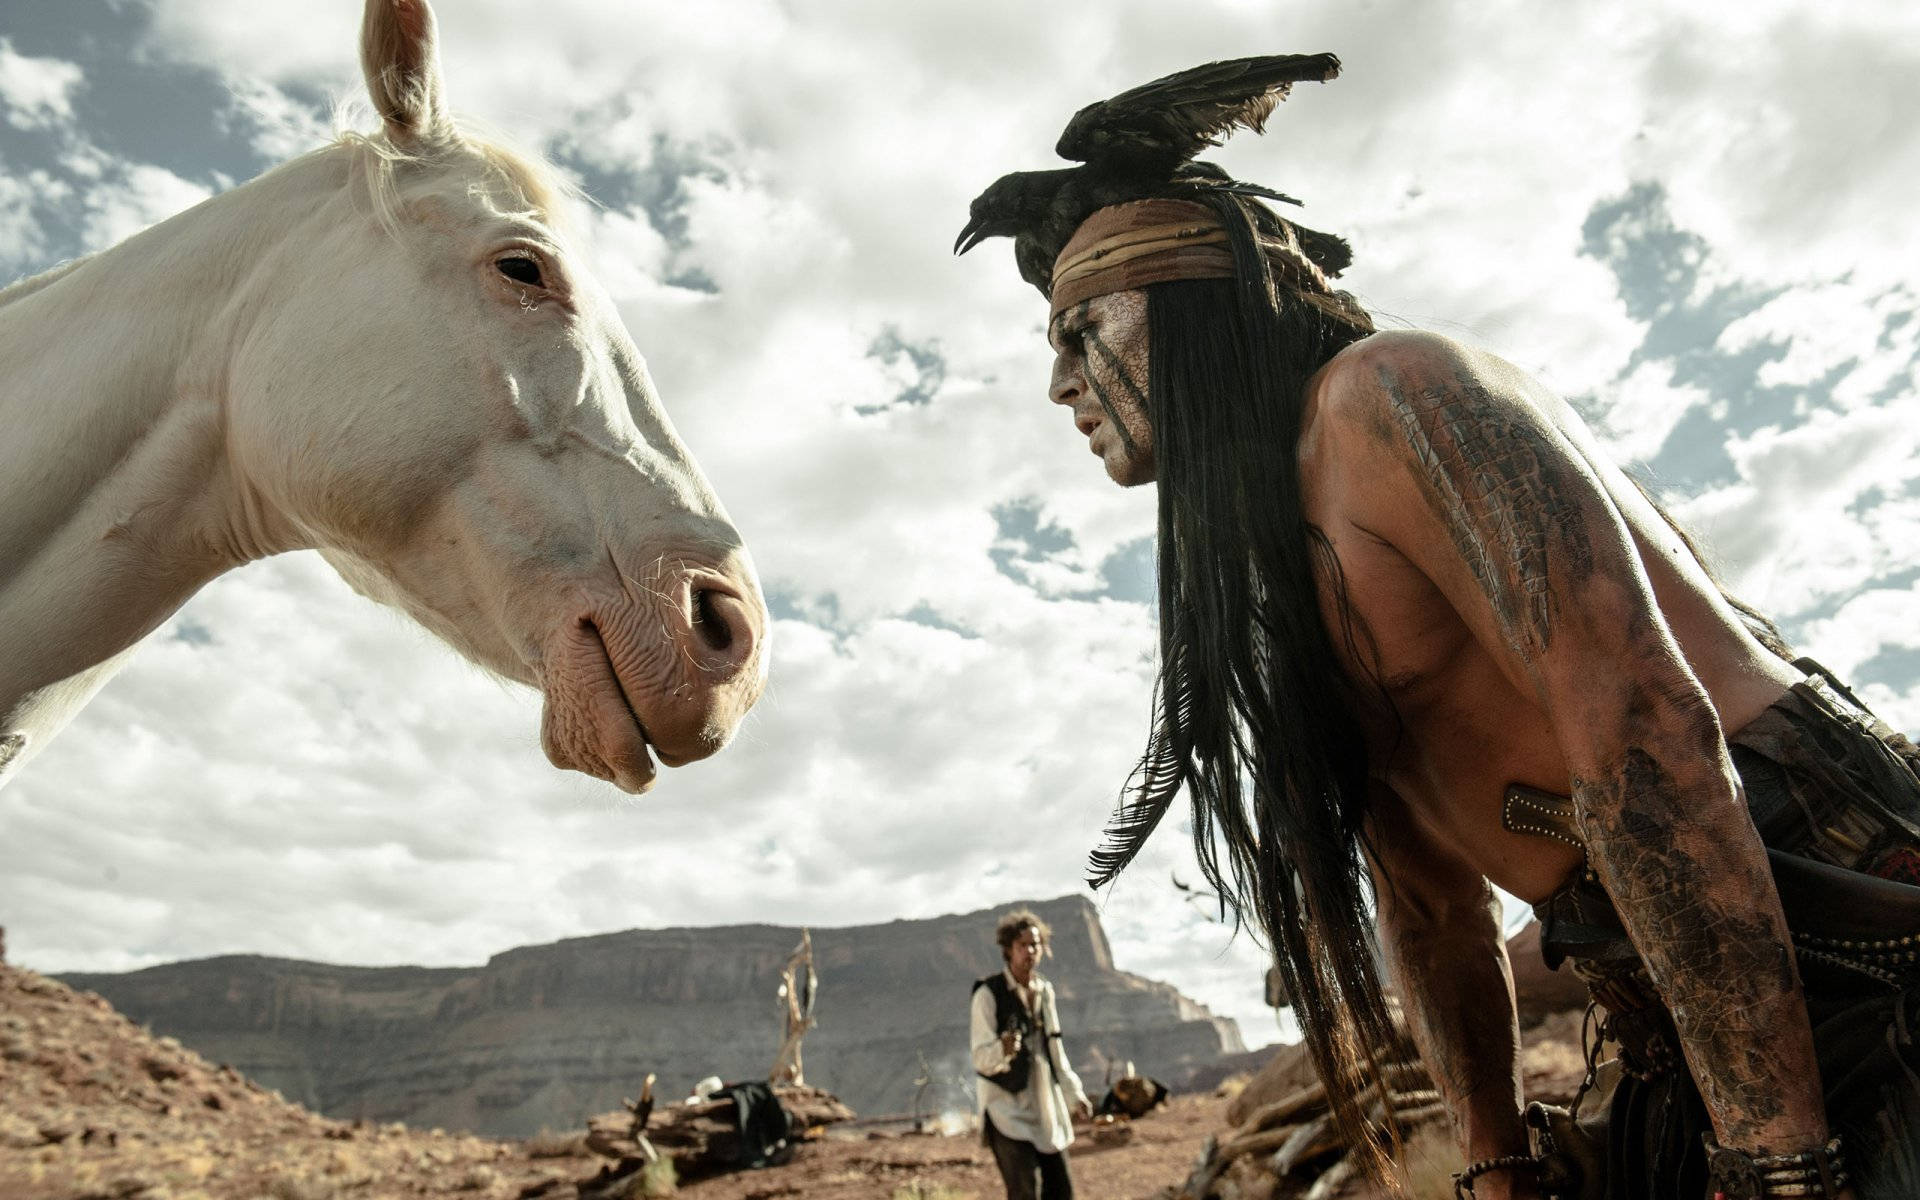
(1138, 145)
(1175, 117)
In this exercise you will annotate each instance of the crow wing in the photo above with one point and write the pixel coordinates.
(1200, 175)
(1168, 121)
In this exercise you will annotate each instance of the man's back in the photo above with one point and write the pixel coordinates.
(1401, 430)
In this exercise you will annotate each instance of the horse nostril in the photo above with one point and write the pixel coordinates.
(710, 625)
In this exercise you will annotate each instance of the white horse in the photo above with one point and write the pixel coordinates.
(383, 350)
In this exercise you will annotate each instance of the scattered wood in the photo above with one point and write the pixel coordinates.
(1296, 1134)
(700, 1138)
(1307, 1142)
(1332, 1180)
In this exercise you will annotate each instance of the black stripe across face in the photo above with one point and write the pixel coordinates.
(1119, 368)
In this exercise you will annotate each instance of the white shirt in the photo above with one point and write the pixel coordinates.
(1042, 1113)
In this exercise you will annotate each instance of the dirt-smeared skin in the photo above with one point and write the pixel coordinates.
(1440, 929)
(1510, 517)
(1101, 352)
(1117, 366)
(1719, 956)
(1665, 825)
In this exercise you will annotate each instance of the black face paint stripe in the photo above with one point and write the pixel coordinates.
(1113, 362)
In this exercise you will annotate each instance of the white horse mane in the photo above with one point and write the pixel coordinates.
(537, 186)
(22, 288)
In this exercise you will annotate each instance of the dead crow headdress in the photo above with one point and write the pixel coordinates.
(1254, 716)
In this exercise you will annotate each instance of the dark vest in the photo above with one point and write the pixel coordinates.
(1009, 1015)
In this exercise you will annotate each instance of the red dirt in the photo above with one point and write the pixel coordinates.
(1160, 1151)
(93, 1108)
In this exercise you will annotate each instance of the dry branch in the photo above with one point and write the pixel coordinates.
(702, 1136)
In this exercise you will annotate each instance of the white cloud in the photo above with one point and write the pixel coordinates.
(320, 780)
(1639, 411)
(37, 92)
(20, 234)
(1841, 327)
(1768, 108)
(1803, 524)
(275, 125)
(1874, 621)
(134, 197)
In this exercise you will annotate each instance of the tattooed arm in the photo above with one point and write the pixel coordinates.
(1440, 928)
(1501, 510)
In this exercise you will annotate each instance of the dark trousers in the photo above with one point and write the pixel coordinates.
(1028, 1174)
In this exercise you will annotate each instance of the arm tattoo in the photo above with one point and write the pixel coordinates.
(1513, 517)
(1721, 961)
(1664, 828)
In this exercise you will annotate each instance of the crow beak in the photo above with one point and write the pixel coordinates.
(970, 237)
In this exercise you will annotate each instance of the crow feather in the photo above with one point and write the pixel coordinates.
(1172, 119)
(1141, 144)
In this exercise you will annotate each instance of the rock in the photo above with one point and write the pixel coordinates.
(57, 1133)
(161, 1070)
(17, 1133)
(481, 1178)
(125, 1187)
(542, 1034)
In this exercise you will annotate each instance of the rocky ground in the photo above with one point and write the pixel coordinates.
(91, 1106)
(94, 1108)
(1160, 1150)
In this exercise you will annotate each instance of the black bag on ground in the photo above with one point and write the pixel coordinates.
(766, 1127)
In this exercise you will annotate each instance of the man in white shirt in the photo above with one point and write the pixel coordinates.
(1028, 1091)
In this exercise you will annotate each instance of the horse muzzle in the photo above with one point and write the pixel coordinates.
(666, 669)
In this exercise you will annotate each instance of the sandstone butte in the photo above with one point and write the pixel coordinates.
(94, 1107)
(541, 1036)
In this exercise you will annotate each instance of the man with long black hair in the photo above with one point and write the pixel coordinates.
(1419, 637)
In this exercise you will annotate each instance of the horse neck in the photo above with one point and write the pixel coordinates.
(116, 499)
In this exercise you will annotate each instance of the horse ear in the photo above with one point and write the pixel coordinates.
(399, 52)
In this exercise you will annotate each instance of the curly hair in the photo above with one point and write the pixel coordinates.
(1008, 931)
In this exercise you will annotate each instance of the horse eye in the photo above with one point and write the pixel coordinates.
(519, 269)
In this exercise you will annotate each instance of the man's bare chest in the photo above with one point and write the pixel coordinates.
(1454, 733)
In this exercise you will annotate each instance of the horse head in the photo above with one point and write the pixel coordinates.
(433, 391)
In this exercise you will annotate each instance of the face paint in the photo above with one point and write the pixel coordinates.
(1100, 371)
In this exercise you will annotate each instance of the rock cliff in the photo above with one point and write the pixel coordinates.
(541, 1036)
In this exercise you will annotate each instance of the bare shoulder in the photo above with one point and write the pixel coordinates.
(1397, 369)
(1386, 401)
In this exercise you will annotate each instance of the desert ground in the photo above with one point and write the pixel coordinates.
(94, 1108)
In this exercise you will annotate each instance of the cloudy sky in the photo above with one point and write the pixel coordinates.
(1697, 221)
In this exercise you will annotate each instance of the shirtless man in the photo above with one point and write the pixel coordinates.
(1450, 645)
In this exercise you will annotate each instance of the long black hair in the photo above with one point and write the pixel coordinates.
(1254, 715)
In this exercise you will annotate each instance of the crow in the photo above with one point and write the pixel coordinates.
(1139, 145)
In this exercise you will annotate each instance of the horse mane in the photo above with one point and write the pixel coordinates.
(20, 289)
(533, 184)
